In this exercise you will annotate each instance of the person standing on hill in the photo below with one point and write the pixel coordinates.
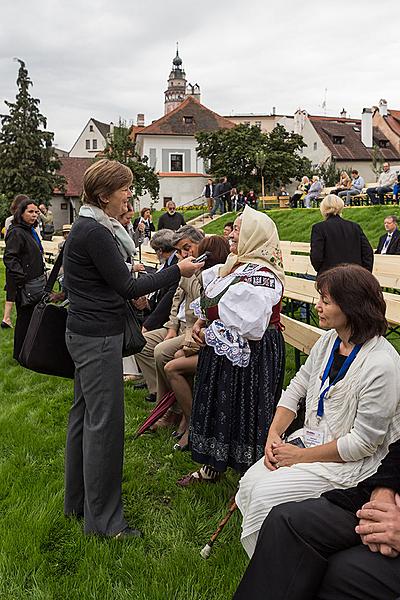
(335, 240)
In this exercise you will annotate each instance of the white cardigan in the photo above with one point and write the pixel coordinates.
(362, 411)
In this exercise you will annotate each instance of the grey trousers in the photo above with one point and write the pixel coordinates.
(95, 438)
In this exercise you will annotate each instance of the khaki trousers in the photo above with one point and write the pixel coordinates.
(155, 355)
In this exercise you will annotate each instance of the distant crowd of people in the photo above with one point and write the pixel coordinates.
(320, 498)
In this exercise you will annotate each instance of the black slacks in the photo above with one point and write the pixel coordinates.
(310, 551)
(95, 438)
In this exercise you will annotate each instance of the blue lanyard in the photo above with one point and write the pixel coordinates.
(343, 370)
(37, 239)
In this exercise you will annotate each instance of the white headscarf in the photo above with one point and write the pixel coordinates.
(258, 244)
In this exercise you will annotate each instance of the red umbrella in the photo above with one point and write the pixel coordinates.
(159, 410)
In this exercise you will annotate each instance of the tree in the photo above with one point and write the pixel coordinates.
(120, 147)
(328, 172)
(244, 151)
(28, 161)
(377, 160)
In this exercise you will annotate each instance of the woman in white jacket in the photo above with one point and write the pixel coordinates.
(351, 382)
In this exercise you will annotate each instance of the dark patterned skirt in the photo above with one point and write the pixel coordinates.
(233, 406)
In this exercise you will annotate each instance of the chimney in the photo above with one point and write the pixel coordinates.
(343, 113)
(274, 110)
(366, 127)
(140, 120)
(111, 128)
(383, 109)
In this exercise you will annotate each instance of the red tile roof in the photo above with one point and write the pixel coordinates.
(173, 123)
(393, 120)
(352, 147)
(73, 170)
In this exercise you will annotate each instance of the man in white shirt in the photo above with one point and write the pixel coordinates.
(385, 184)
(389, 243)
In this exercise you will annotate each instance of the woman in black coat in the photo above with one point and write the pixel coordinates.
(23, 258)
(335, 240)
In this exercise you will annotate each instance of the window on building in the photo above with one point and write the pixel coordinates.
(91, 128)
(188, 120)
(258, 124)
(87, 144)
(94, 144)
(176, 162)
(246, 122)
(315, 146)
(338, 139)
(166, 199)
(383, 143)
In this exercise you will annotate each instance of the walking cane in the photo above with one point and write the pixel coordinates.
(206, 551)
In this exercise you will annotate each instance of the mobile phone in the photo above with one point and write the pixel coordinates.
(297, 442)
(202, 257)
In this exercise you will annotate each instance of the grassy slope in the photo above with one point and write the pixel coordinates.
(296, 224)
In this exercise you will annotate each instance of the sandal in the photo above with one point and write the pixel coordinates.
(195, 477)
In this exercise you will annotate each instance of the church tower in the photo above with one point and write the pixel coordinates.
(176, 92)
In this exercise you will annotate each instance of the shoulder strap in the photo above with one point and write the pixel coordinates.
(54, 272)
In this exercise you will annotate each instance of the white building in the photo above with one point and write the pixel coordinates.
(92, 140)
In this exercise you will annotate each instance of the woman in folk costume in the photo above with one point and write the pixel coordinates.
(241, 364)
(351, 386)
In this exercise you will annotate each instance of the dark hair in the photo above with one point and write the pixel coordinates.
(219, 248)
(144, 210)
(359, 296)
(229, 224)
(16, 202)
(354, 171)
(20, 211)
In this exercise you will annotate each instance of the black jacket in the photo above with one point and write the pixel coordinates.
(336, 241)
(22, 257)
(98, 282)
(387, 475)
(394, 246)
(160, 303)
(173, 222)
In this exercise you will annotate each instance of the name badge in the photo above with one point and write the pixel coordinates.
(313, 437)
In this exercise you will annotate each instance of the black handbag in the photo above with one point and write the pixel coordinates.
(32, 291)
(134, 341)
(44, 349)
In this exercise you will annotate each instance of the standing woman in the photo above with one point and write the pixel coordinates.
(23, 258)
(143, 226)
(241, 365)
(98, 285)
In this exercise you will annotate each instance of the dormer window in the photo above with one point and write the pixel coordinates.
(338, 139)
(188, 120)
(383, 143)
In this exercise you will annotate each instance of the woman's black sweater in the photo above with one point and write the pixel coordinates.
(22, 257)
(98, 282)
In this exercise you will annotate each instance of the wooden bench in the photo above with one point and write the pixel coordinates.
(266, 202)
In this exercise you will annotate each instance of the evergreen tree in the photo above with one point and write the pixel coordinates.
(28, 161)
(122, 148)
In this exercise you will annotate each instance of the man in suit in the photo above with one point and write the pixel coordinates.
(389, 243)
(158, 305)
(335, 240)
(345, 544)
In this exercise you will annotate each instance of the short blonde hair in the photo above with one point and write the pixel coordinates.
(331, 205)
(104, 177)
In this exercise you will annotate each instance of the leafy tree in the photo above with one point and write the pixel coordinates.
(121, 147)
(28, 161)
(377, 160)
(246, 155)
(4, 208)
(328, 172)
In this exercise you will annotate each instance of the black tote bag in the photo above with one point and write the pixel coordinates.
(44, 349)
(134, 340)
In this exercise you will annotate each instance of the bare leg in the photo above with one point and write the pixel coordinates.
(178, 372)
(8, 306)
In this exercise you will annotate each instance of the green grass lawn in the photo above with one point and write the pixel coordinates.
(295, 224)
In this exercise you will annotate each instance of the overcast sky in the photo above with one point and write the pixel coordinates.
(110, 59)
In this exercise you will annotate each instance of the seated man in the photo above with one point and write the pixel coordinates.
(342, 546)
(171, 219)
(357, 185)
(385, 184)
(389, 243)
(314, 191)
(162, 343)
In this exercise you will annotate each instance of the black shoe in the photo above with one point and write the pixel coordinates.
(128, 533)
(151, 398)
(5, 325)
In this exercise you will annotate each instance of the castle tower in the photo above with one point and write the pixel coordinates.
(176, 92)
